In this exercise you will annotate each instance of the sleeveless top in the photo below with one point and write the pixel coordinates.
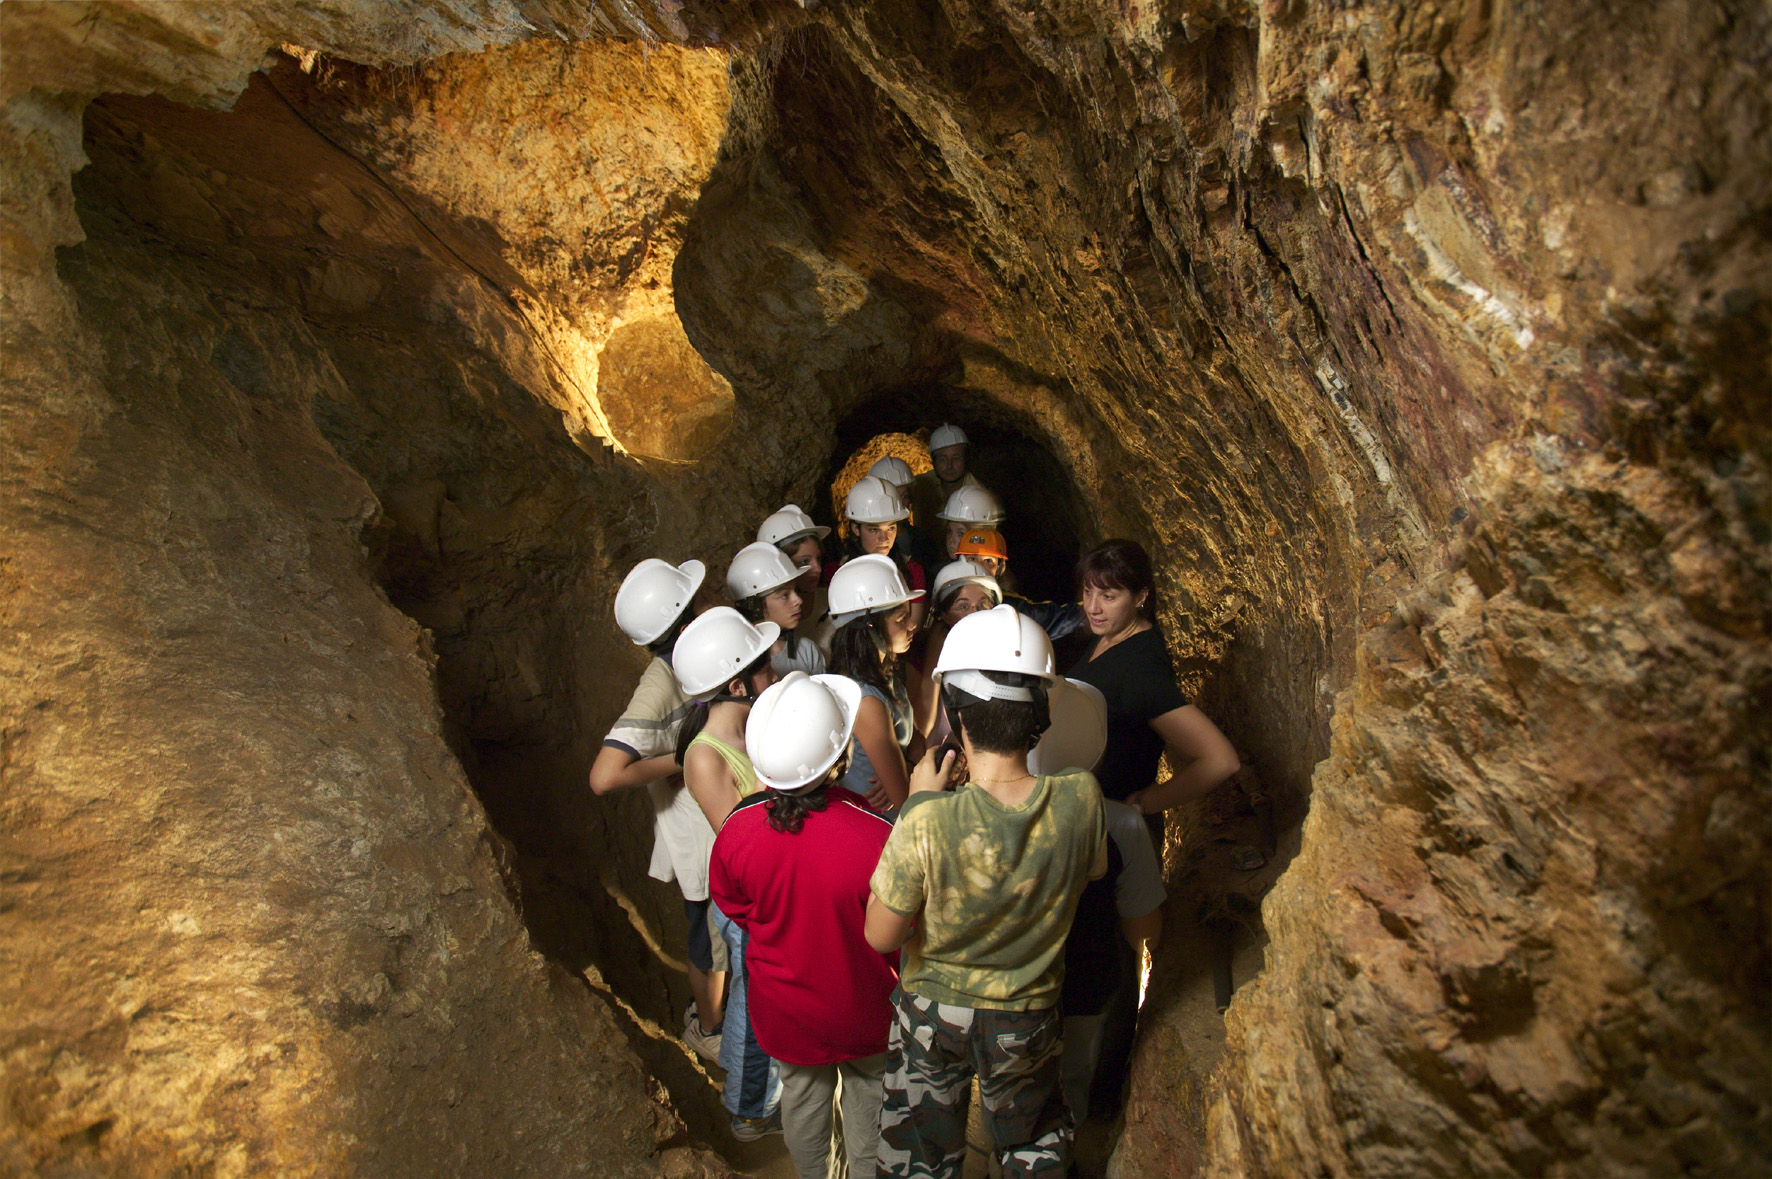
(736, 760)
(861, 768)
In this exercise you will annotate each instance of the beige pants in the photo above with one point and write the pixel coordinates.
(807, 1094)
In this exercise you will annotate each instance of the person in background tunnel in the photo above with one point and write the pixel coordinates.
(929, 492)
(791, 868)
(962, 587)
(654, 605)
(909, 544)
(991, 874)
(874, 511)
(988, 548)
(966, 509)
(793, 532)
(764, 583)
(872, 608)
(893, 470)
(723, 663)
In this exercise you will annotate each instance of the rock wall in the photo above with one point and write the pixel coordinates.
(1427, 347)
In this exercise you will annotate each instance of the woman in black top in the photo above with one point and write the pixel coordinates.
(1146, 710)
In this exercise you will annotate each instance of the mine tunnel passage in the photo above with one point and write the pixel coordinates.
(1048, 523)
(504, 534)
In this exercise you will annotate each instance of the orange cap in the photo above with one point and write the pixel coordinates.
(982, 542)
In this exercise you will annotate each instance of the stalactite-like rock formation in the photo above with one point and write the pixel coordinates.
(352, 352)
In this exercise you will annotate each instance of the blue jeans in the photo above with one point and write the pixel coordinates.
(753, 1081)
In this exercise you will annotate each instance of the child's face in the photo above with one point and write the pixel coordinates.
(804, 555)
(782, 606)
(877, 538)
(956, 533)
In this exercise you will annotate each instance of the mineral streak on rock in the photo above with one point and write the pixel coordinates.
(1425, 345)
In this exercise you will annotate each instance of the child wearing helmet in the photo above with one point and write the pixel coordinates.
(962, 587)
(723, 663)
(791, 867)
(875, 512)
(765, 585)
(872, 608)
(654, 606)
(801, 541)
(967, 509)
(991, 872)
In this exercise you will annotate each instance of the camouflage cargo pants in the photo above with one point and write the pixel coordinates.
(931, 1056)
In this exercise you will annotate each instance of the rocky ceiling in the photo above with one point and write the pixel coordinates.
(352, 352)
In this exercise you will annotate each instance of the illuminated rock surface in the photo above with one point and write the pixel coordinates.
(353, 352)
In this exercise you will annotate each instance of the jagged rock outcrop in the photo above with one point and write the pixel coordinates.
(1427, 347)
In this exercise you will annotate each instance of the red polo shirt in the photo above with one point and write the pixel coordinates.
(819, 993)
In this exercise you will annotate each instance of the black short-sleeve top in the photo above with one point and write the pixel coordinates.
(1140, 686)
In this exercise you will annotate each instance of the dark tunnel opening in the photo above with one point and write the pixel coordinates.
(1049, 522)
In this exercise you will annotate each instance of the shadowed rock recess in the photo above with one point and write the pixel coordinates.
(352, 352)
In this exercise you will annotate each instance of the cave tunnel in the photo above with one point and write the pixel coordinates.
(353, 354)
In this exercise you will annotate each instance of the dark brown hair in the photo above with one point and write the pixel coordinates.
(1121, 565)
(787, 812)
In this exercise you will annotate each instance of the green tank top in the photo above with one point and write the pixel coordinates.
(737, 762)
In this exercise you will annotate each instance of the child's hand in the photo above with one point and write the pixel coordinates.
(930, 774)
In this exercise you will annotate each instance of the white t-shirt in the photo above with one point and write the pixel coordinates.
(682, 841)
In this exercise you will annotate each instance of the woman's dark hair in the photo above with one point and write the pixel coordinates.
(697, 717)
(663, 644)
(861, 651)
(787, 812)
(755, 610)
(1000, 726)
(1121, 565)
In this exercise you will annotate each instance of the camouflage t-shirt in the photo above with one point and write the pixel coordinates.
(997, 887)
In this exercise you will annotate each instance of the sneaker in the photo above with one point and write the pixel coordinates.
(705, 1043)
(751, 1129)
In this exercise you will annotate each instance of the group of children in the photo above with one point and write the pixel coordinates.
(874, 792)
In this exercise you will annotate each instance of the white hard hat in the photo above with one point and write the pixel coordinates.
(717, 646)
(964, 572)
(1078, 735)
(891, 470)
(653, 595)
(789, 525)
(944, 436)
(874, 501)
(867, 585)
(757, 569)
(973, 505)
(798, 728)
(999, 639)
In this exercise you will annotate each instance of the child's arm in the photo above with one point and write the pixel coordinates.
(884, 929)
(617, 768)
